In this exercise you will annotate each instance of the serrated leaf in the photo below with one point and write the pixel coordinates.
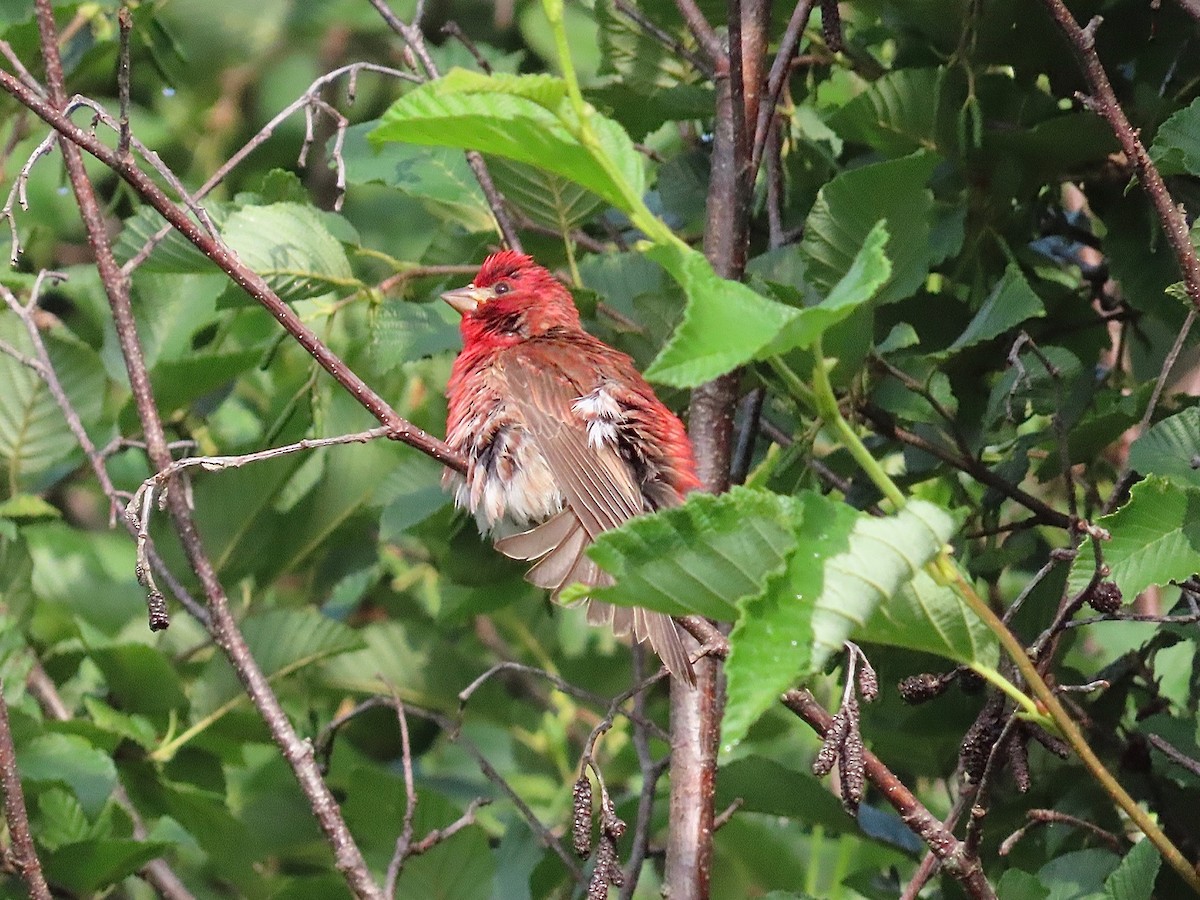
(1176, 147)
(546, 199)
(1155, 539)
(725, 324)
(1011, 302)
(701, 557)
(140, 677)
(69, 759)
(289, 246)
(866, 275)
(771, 646)
(1134, 877)
(33, 433)
(883, 555)
(517, 117)
(281, 641)
(61, 820)
(438, 176)
(896, 114)
(174, 254)
(1170, 449)
(410, 494)
(848, 207)
(642, 61)
(404, 331)
(89, 866)
(927, 616)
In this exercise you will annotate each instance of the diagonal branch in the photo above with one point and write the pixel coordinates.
(252, 283)
(24, 855)
(347, 857)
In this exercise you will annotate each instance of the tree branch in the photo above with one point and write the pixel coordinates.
(347, 857)
(23, 853)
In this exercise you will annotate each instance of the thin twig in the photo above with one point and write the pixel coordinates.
(347, 857)
(1054, 817)
(401, 429)
(23, 854)
(125, 30)
(664, 37)
(913, 813)
(1175, 755)
(412, 35)
(777, 77)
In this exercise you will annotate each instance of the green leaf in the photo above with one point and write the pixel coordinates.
(771, 645)
(1169, 448)
(174, 254)
(1134, 877)
(850, 205)
(523, 118)
(1155, 539)
(141, 678)
(28, 506)
(34, 436)
(1010, 303)
(924, 615)
(438, 176)
(896, 114)
(404, 331)
(289, 245)
(549, 200)
(1176, 147)
(410, 494)
(883, 555)
(89, 866)
(866, 275)
(61, 820)
(701, 557)
(69, 759)
(725, 323)
(282, 641)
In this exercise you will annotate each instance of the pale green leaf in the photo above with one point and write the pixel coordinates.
(896, 114)
(1134, 877)
(701, 557)
(1155, 539)
(771, 646)
(523, 118)
(1176, 147)
(33, 433)
(69, 759)
(1170, 449)
(883, 555)
(282, 641)
(549, 200)
(850, 205)
(925, 615)
(725, 323)
(289, 246)
(1011, 302)
(868, 272)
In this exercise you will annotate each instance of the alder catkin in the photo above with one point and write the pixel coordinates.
(581, 817)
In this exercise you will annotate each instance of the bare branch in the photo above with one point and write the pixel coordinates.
(347, 857)
(945, 846)
(23, 853)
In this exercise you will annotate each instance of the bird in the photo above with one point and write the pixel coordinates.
(563, 439)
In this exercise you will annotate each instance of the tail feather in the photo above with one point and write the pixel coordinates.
(559, 547)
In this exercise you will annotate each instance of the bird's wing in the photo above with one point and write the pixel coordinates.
(599, 486)
(601, 492)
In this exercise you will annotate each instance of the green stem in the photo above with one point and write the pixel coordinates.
(831, 414)
(1066, 725)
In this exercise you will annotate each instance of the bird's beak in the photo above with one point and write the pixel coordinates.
(465, 299)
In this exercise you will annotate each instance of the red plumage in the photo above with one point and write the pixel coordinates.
(563, 437)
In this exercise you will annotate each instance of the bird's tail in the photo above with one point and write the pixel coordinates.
(558, 545)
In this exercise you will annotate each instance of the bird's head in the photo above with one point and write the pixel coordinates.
(510, 299)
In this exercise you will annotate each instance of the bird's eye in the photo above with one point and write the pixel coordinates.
(502, 287)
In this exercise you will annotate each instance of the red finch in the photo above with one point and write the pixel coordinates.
(563, 438)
